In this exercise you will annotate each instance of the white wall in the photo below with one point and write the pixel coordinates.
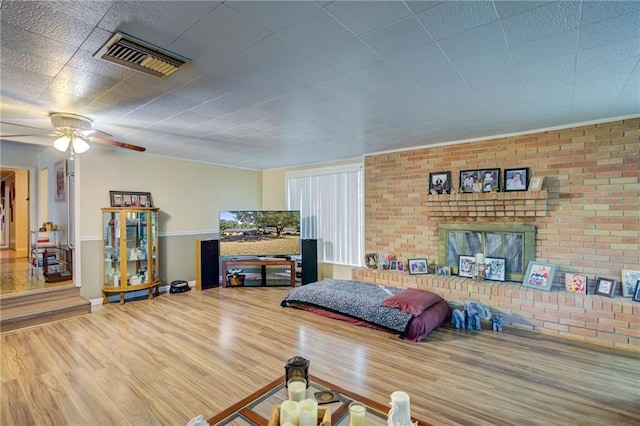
(189, 195)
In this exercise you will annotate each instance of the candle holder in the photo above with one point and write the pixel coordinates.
(400, 413)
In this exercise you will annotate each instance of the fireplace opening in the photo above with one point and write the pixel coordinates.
(515, 243)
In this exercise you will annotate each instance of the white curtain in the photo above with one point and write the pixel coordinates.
(330, 201)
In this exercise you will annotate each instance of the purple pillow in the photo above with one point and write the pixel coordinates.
(412, 301)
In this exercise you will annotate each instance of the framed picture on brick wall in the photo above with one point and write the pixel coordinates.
(636, 293)
(576, 283)
(440, 183)
(516, 179)
(629, 279)
(417, 266)
(539, 275)
(606, 287)
(490, 180)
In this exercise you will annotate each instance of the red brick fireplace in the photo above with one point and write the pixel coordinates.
(587, 220)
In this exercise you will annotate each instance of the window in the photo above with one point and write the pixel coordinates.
(330, 201)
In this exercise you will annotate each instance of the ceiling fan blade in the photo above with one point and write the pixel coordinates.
(117, 144)
(44, 131)
(27, 135)
(95, 133)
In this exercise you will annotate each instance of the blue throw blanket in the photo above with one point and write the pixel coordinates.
(353, 298)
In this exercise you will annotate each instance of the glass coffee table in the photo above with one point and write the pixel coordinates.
(258, 408)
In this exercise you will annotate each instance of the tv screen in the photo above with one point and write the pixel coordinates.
(260, 233)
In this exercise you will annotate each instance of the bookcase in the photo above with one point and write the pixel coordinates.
(130, 251)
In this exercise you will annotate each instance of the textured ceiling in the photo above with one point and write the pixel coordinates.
(276, 84)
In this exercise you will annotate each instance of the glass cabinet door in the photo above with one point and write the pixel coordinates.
(111, 226)
(153, 245)
(136, 247)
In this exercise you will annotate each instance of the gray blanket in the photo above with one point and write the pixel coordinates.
(353, 298)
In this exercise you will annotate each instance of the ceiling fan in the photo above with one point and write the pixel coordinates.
(74, 131)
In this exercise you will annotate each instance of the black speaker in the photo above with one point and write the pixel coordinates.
(309, 261)
(207, 264)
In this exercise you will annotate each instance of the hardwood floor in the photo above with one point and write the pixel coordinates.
(16, 277)
(166, 360)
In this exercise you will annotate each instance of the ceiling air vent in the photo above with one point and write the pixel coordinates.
(128, 51)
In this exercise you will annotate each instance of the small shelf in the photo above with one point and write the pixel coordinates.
(48, 258)
(489, 204)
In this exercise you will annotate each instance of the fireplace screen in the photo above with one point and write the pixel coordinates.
(515, 243)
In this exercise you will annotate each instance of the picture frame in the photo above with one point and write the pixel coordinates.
(490, 179)
(60, 179)
(371, 260)
(467, 179)
(516, 179)
(629, 279)
(400, 265)
(539, 275)
(418, 266)
(384, 260)
(605, 286)
(440, 183)
(466, 266)
(535, 184)
(576, 283)
(443, 270)
(636, 292)
(130, 199)
(495, 268)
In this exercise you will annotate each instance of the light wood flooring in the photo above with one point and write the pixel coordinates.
(16, 277)
(167, 360)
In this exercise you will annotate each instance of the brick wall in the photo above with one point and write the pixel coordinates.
(591, 223)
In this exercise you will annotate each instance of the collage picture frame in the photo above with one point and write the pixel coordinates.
(495, 268)
(466, 266)
(130, 199)
(539, 275)
(576, 283)
(418, 266)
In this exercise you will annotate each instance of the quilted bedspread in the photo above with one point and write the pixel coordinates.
(353, 298)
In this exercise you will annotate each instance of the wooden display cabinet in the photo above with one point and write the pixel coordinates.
(130, 250)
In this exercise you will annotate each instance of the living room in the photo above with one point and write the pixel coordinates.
(562, 358)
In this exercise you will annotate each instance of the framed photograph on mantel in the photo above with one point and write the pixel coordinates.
(606, 287)
(418, 266)
(516, 179)
(490, 179)
(539, 275)
(629, 280)
(440, 183)
(130, 199)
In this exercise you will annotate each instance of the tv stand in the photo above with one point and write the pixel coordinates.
(263, 263)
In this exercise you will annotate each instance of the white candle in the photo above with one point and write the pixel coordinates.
(402, 404)
(357, 414)
(479, 258)
(308, 412)
(297, 388)
(289, 412)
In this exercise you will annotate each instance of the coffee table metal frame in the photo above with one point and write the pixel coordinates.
(256, 408)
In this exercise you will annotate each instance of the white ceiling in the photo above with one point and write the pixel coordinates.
(277, 84)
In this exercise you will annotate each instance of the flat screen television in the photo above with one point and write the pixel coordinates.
(259, 233)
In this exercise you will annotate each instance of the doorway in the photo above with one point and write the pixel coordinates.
(24, 187)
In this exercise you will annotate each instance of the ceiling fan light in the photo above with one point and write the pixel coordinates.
(61, 144)
(80, 145)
